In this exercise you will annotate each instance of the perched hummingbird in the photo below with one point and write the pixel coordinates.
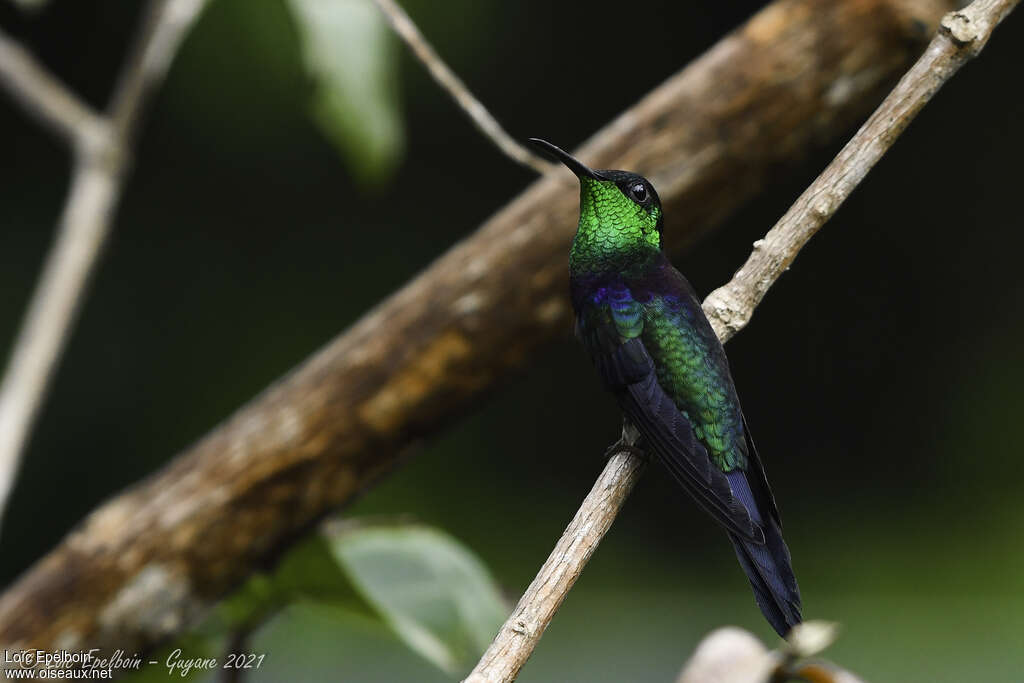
(655, 350)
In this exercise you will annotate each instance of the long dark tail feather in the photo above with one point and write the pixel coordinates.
(771, 575)
(767, 565)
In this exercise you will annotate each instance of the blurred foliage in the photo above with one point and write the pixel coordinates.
(881, 376)
(435, 595)
(30, 5)
(349, 51)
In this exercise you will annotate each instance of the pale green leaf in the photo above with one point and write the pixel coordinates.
(433, 592)
(350, 52)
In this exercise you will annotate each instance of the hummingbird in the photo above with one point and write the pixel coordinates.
(646, 333)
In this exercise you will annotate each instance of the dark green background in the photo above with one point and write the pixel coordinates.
(882, 376)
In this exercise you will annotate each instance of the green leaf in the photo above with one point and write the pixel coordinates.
(435, 594)
(350, 52)
(308, 572)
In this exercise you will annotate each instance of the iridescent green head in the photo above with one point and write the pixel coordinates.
(620, 216)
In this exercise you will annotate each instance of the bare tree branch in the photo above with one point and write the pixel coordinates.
(43, 95)
(165, 25)
(140, 567)
(537, 607)
(101, 161)
(457, 90)
(961, 36)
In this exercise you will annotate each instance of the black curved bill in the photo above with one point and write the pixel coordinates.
(559, 154)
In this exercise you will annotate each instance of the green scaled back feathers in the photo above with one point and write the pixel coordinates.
(697, 379)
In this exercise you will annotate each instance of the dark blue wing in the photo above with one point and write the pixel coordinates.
(628, 371)
(739, 500)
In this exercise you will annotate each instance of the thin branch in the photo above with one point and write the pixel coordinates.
(165, 25)
(238, 645)
(92, 196)
(523, 629)
(458, 91)
(101, 162)
(132, 573)
(46, 98)
(961, 36)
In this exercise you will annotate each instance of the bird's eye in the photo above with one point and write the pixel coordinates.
(639, 192)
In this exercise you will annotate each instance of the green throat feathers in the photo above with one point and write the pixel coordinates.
(620, 224)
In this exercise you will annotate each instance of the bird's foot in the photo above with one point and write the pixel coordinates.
(622, 446)
(627, 443)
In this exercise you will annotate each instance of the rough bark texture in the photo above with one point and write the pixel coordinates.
(144, 564)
